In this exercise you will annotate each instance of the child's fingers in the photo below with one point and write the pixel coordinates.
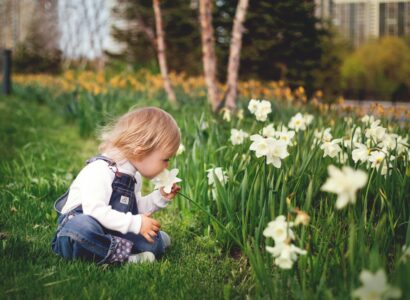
(176, 188)
(156, 228)
(148, 214)
(148, 238)
(155, 223)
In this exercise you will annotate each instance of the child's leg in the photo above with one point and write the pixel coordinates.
(161, 242)
(81, 236)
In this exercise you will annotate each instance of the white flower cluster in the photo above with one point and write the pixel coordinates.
(284, 252)
(373, 146)
(300, 122)
(273, 149)
(331, 147)
(260, 108)
(376, 150)
(238, 136)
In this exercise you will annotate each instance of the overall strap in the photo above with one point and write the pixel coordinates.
(111, 163)
(97, 157)
(60, 202)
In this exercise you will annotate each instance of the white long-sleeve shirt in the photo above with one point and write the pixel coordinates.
(92, 189)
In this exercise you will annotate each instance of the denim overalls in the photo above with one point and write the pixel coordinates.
(81, 236)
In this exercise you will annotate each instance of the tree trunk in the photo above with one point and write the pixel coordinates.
(147, 31)
(208, 52)
(234, 54)
(161, 53)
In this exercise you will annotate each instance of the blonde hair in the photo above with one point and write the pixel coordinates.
(140, 132)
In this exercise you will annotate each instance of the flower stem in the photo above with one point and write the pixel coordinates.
(213, 218)
(365, 197)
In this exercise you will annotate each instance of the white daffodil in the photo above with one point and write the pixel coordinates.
(181, 149)
(268, 131)
(375, 131)
(347, 142)
(259, 145)
(285, 254)
(357, 134)
(375, 286)
(331, 148)
(226, 114)
(277, 150)
(323, 135)
(285, 136)
(166, 180)
(402, 144)
(389, 141)
(367, 119)
(377, 159)
(297, 122)
(260, 109)
(348, 120)
(219, 173)
(308, 119)
(239, 114)
(238, 136)
(204, 125)
(393, 141)
(279, 230)
(344, 183)
(253, 106)
(360, 153)
(264, 108)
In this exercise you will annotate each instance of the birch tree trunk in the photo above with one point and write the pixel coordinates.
(234, 54)
(208, 52)
(161, 53)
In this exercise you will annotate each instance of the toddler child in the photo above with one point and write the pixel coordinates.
(103, 217)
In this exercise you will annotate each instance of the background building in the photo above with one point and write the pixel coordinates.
(360, 20)
(80, 29)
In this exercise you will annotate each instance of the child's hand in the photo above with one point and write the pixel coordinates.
(149, 227)
(175, 189)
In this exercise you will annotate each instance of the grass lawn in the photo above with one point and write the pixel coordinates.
(40, 155)
(220, 229)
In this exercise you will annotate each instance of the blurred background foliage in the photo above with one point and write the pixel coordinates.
(283, 40)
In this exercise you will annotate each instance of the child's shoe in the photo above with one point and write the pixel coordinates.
(141, 257)
(165, 239)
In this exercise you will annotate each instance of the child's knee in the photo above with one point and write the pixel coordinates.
(63, 246)
(82, 237)
(166, 240)
(162, 242)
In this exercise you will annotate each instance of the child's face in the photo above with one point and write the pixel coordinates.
(153, 164)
